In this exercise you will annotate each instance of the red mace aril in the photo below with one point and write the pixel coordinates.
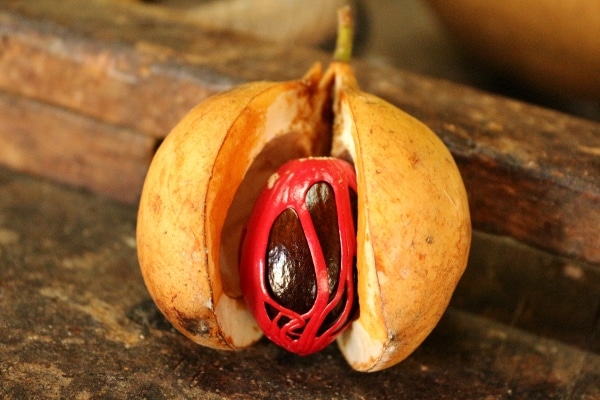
(298, 257)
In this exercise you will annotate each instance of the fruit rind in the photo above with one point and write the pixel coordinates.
(413, 232)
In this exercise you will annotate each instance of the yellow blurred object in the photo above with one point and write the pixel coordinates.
(550, 45)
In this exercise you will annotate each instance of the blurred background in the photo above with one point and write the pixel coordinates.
(545, 52)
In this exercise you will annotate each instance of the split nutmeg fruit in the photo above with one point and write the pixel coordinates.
(307, 209)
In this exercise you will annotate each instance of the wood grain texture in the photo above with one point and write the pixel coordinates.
(40, 139)
(531, 173)
(77, 322)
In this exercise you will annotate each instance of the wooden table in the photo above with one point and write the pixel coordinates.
(87, 93)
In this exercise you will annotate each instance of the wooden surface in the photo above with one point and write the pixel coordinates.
(86, 95)
(44, 140)
(77, 322)
(531, 173)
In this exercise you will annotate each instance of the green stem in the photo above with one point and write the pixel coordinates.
(345, 35)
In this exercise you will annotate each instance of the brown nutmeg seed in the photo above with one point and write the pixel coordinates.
(296, 287)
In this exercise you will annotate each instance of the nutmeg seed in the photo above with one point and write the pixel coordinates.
(294, 283)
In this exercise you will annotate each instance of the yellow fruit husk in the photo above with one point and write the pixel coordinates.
(413, 230)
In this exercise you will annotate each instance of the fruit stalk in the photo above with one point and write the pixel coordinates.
(345, 35)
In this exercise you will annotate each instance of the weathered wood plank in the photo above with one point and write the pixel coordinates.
(138, 69)
(77, 322)
(525, 288)
(99, 77)
(531, 173)
(44, 140)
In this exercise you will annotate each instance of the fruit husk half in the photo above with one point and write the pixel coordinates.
(414, 228)
(187, 243)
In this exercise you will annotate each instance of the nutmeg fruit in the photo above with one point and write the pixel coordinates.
(413, 226)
